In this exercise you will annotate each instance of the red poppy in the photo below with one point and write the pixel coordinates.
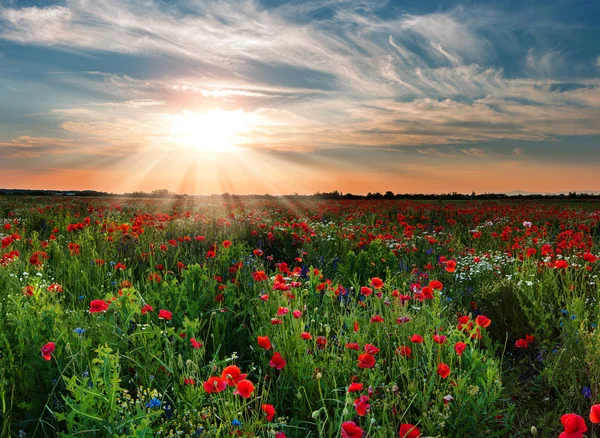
(306, 336)
(165, 314)
(97, 306)
(147, 308)
(404, 351)
(595, 414)
(195, 343)
(355, 387)
(244, 388)
(366, 360)
(297, 314)
(377, 282)
(376, 319)
(351, 430)
(439, 339)
(574, 426)
(416, 339)
(260, 276)
(483, 321)
(352, 346)
(589, 257)
(264, 342)
(277, 361)
(459, 347)
(443, 370)
(361, 405)
(214, 384)
(47, 350)
(232, 375)
(436, 285)
(409, 431)
(269, 411)
(450, 266)
(366, 291)
(55, 287)
(227, 243)
(371, 349)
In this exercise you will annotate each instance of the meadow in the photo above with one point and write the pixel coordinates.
(269, 318)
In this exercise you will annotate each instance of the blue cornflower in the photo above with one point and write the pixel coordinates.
(573, 317)
(587, 392)
(81, 297)
(236, 423)
(79, 331)
(153, 403)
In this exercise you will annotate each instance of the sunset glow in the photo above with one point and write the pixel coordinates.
(285, 96)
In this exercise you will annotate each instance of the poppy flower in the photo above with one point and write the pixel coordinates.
(377, 282)
(404, 351)
(47, 350)
(355, 387)
(409, 431)
(165, 314)
(450, 266)
(589, 257)
(439, 339)
(352, 346)
(195, 343)
(277, 361)
(264, 342)
(226, 243)
(574, 426)
(297, 314)
(595, 414)
(55, 287)
(443, 370)
(361, 405)
(269, 411)
(416, 339)
(366, 360)
(376, 319)
(232, 375)
(97, 306)
(260, 276)
(306, 336)
(214, 384)
(436, 285)
(371, 349)
(351, 430)
(147, 308)
(366, 291)
(483, 321)
(459, 347)
(245, 388)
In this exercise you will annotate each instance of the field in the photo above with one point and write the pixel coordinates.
(252, 318)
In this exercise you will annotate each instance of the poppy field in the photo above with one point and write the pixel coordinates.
(271, 318)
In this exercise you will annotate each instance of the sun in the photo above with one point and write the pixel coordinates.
(214, 131)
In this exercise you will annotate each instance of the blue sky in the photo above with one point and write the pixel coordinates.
(210, 96)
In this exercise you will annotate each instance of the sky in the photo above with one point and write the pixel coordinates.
(300, 96)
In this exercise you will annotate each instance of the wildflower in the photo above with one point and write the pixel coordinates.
(483, 321)
(443, 370)
(377, 283)
(450, 266)
(226, 243)
(366, 360)
(97, 306)
(47, 350)
(79, 331)
(574, 426)
(366, 291)
(277, 361)
(361, 405)
(459, 347)
(165, 314)
(195, 343)
(409, 431)
(269, 411)
(214, 384)
(244, 388)
(264, 342)
(595, 414)
(232, 375)
(355, 387)
(147, 308)
(306, 336)
(404, 351)
(351, 430)
(416, 339)
(154, 403)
